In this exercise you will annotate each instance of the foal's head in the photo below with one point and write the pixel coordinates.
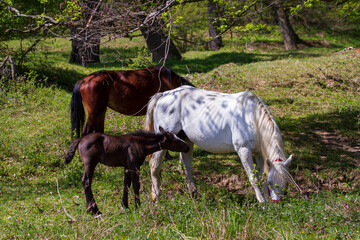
(278, 178)
(172, 142)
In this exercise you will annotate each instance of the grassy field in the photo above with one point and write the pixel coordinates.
(312, 92)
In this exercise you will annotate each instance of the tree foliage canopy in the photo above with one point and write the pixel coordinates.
(184, 20)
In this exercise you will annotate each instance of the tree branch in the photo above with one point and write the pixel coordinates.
(19, 14)
(61, 201)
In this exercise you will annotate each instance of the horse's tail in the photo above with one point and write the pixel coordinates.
(77, 112)
(71, 153)
(149, 121)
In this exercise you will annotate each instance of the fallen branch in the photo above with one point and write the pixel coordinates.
(61, 201)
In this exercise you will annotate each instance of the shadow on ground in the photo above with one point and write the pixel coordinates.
(120, 58)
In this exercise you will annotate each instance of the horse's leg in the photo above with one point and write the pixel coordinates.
(186, 159)
(127, 183)
(155, 168)
(89, 197)
(135, 178)
(247, 161)
(90, 125)
(95, 122)
(100, 121)
(261, 165)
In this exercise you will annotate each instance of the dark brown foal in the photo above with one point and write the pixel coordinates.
(128, 151)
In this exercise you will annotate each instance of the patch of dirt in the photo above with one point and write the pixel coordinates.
(313, 184)
(233, 183)
(339, 142)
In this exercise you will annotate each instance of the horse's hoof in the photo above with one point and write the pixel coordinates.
(94, 212)
(126, 208)
(98, 216)
(154, 197)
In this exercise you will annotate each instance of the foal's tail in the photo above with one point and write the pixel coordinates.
(149, 121)
(72, 150)
(77, 112)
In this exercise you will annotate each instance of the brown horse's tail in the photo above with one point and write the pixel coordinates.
(72, 150)
(77, 112)
(149, 121)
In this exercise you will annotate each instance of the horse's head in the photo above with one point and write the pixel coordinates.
(278, 178)
(172, 142)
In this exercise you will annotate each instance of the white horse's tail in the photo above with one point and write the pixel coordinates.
(149, 121)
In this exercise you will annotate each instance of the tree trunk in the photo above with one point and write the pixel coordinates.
(84, 50)
(289, 36)
(161, 47)
(85, 43)
(214, 24)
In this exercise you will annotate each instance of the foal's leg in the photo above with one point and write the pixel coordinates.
(127, 183)
(155, 168)
(89, 197)
(135, 178)
(186, 159)
(247, 161)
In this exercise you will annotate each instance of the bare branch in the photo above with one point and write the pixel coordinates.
(23, 55)
(61, 201)
(93, 13)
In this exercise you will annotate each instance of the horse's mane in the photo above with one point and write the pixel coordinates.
(184, 81)
(272, 146)
(172, 74)
(142, 133)
(98, 73)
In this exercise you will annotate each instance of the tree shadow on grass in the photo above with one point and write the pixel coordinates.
(60, 77)
(324, 141)
(204, 65)
(64, 77)
(120, 58)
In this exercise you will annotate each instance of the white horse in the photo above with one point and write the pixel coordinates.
(222, 123)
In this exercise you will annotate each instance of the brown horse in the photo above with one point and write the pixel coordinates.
(128, 151)
(126, 92)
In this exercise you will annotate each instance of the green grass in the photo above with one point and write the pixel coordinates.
(313, 94)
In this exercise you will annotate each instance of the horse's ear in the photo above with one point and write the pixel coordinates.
(161, 130)
(288, 161)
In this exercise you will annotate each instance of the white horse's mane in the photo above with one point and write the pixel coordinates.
(269, 136)
(271, 142)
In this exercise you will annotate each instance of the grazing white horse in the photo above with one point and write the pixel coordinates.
(222, 123)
